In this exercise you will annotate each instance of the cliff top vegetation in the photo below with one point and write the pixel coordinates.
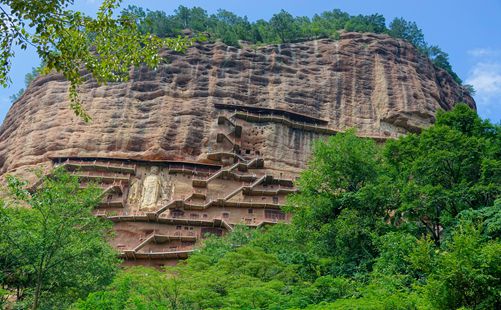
(282, 27)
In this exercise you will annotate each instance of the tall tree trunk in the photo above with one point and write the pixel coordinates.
(38, 291)
(36, 300)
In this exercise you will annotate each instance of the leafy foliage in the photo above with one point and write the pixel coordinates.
(360, 236)
(68, 41)
(136, 288)
(441, 59)
(409, 31)
(230, 28)
(330, 211)
(53, 250)
(467, 273)
(446, 169)
(400, 28)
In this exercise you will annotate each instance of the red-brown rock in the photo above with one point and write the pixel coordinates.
(375, 83)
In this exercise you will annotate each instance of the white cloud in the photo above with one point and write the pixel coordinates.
(484, 52)
(485, 76)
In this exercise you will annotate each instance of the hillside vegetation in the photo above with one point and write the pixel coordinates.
(282, 28)
(411, 224)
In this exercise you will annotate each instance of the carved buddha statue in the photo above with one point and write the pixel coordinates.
(152, 190)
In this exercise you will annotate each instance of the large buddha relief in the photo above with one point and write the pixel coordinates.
(148, 193)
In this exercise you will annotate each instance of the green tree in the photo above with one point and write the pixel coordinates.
(155, 22)
(136, 288)
(230, 28)
(183, 14)
(329, 22)
(51, 243)
(409, 31)
(68, 41)
(488, 218)
(470, 89)
(263, 32)
(467, 121)
(467, 272)
(333, 211)
(195, 18)
(366, 23)
(3, 298)
(441, 59)
(243, 278)
(304, 26)
(284, 26)
(448, 168)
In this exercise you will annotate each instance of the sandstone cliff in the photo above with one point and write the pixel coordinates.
(375, 83)
(216, 137)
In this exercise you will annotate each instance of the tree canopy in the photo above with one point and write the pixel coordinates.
(68, 41)
(53, 250)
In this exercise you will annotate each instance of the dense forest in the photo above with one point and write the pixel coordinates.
(282, 28)
(414, 223)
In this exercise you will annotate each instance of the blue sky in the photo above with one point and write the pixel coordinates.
(470, 31)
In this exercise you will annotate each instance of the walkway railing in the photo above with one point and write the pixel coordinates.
(125, 167)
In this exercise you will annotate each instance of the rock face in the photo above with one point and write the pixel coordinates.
(377, 84)
(220, 130)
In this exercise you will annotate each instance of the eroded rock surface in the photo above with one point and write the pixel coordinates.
(375, 83)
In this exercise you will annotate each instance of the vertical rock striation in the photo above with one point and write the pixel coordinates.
(375, 83)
